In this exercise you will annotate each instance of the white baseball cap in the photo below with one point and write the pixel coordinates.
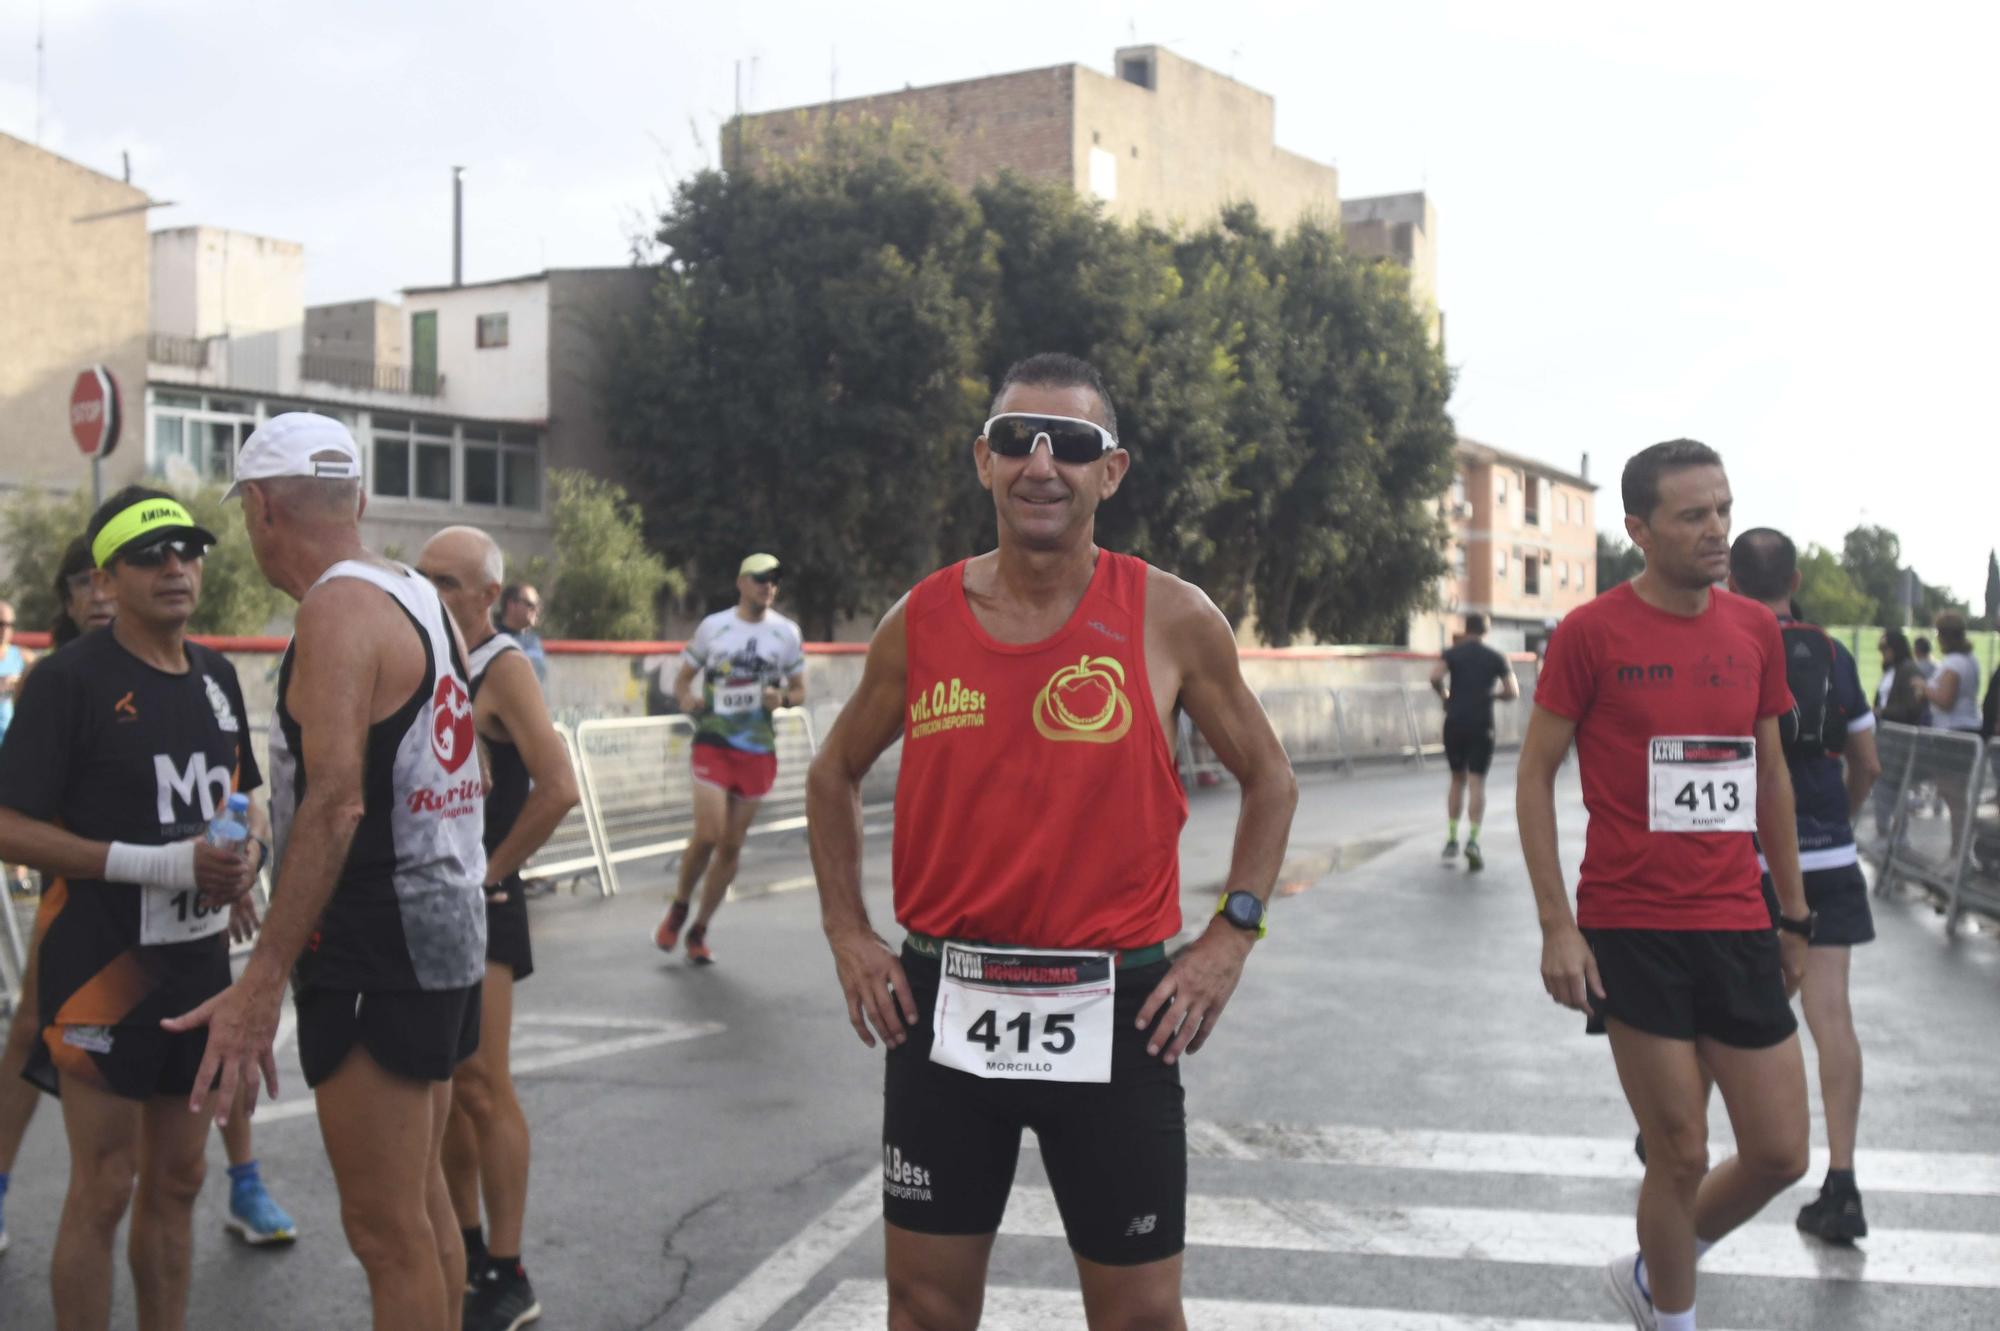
(294, 444)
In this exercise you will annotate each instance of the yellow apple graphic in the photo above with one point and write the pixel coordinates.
(1085, 702)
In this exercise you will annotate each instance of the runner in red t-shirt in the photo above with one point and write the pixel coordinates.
(1672, 689)
(1038, 816)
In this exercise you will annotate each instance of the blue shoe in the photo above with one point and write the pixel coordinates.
(257, 1219)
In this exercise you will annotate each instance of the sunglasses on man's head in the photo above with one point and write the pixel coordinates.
(153, 556)
(1015, 434)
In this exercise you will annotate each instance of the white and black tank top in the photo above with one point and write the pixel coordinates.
(508, 789)
(409, 909)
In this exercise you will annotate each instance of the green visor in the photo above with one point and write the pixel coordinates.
(145, 523)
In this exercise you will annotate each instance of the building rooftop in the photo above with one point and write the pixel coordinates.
(542, 276)
(1489, 453)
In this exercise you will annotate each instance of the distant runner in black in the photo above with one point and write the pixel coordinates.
(1472, 669)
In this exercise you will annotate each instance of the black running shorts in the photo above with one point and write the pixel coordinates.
(132, 1062)
(507, 929)
(1725, 985)
(1840, 898)
(1115, 1153)
(411, 1033)
(1468, 748)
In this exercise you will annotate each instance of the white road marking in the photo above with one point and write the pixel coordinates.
(1539, 1238)
(1937, 1173)
(639, 1034)
(863, 1305)
(782, 1275)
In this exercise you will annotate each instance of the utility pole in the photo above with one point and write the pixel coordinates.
(458, 226)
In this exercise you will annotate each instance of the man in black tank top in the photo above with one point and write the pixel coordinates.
(532, 788)
(1472, 669)
(377, 917)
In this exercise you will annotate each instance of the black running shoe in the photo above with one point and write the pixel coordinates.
(501, 1301)
(1834, 1216)
(1474, 861)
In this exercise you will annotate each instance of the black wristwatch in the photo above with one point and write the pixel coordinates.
(1245, 910)
(1803, 928)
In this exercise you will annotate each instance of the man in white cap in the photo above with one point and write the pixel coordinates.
(378, 915)
(751, 661)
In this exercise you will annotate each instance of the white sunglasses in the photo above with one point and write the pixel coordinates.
(1014, 434)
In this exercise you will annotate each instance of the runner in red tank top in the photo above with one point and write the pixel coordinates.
(1038, 815)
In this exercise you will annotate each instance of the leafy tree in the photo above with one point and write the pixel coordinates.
(1827, 594)
(36, 527)
(604, 583)
(1873, 558)
(1618, 560)
(806, 380)
(1355, 538)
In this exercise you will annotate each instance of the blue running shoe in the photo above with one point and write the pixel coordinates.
(257, 1219)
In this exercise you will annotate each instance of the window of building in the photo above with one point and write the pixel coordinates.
(502, 468)
(1531, 576)
(202, 432)
(1562, 506)
(1503, 491)
(492, 330)
(1562, 574)
(1136, 69)
(1500, 564)
(442, 462)
(1458, 560)
(1103, 174)
(1531, 501)
(1458, 494)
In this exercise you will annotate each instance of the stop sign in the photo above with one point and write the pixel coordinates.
(93, 412)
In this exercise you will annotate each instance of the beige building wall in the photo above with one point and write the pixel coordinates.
(1188, 144)
(1402, 229)
(1177, 146)
(73, 259)
(361, 331)
(211, 282)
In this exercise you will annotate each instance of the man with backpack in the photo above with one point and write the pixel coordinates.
(1830, 720)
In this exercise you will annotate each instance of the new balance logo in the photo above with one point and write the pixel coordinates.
(1144, 1224)
(1646, 676)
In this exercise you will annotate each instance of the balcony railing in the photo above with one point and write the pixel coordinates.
(370, 377)
(190, 353)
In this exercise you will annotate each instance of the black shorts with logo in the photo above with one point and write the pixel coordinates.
(507, 929)
(1840, 898)
(410, 1033)
(1468, 748)
(1115, 1152)
(1723, 984)
(131, 1062)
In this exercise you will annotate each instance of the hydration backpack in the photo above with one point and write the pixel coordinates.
(1817, 725)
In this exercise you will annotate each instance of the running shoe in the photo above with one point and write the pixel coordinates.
(1474, 861)
(501, 1301)
(1834, 1216)
(698, 951)
(255, 1218)
(1451, 849)
(669, 932)
(1621, 1277)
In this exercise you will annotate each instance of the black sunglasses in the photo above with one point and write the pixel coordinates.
(1014, 434)
(766, 579)
(153, 556)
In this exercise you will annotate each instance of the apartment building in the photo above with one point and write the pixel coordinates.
(1523, 549)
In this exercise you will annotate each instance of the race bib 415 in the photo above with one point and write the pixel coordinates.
(1034, 1016)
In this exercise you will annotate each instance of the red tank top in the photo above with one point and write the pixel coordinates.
(1038, 803)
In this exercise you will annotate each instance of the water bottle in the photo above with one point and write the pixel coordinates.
(230, 828)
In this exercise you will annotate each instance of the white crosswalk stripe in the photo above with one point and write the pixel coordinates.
(863, 1305)
(1227, 1211)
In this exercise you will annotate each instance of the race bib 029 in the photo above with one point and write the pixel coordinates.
(735, 699)
(177, 915)
(1702, 783)
(1024, 1016)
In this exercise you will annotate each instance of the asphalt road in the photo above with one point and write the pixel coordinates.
(1394, 1130)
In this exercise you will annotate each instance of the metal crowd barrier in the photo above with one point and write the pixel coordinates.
(639, 790)
(1924, 818)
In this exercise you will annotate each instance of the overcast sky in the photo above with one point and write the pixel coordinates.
(1766, 226)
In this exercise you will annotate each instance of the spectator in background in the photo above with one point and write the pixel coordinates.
(1900, 697)
(1926, 665)
(520, 613)
(81, 605)
(1954, 697)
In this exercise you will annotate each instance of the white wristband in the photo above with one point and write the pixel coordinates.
(151, 866)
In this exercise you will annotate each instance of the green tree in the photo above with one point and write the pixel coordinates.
(1618, 560)
(1873, 558)
(603, 583)
(806, 380)
(1354, 538)
(1827, 594)
(36, 527)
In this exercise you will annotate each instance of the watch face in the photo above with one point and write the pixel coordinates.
(1244, 910)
